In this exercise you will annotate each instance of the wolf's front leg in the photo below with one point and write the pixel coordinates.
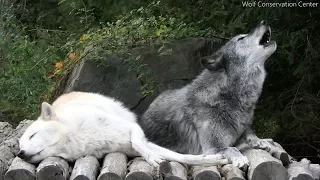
(264, 144)
(250, 140)
(232, 153)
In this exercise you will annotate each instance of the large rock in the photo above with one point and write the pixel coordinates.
(6, 130)
(119, 79)
(109, 76)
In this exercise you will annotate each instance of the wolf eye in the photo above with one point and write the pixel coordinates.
(241, 38)
(32, 135)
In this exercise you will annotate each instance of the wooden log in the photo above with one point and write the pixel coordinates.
(20, 170)
(205, 173)
(262, 166)
(140, 169)
(53, 168)
(315, 170)
(300, 170)
(231, 172)
(85, 168)
(9, 145)
(173, 171)
(278, 152)
(5, 160)
(114, 167)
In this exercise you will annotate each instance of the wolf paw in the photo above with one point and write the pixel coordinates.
(240, 161)
(261, 144)
(215, 159)
(218, 159)
(154, 160)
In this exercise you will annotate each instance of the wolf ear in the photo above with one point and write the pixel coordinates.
(46, 111)
(212, 62)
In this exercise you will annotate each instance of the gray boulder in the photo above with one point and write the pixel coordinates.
(172, 65)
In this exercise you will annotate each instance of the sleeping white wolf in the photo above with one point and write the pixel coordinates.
(79, 124)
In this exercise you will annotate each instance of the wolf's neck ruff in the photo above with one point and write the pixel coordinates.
(243, 88)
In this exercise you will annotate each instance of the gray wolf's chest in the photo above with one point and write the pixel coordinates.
(218, 128)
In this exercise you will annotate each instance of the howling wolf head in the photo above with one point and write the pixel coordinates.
(243, 51)
(42, 138)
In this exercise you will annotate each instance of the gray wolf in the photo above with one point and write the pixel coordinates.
(79, 124)
(214, 112)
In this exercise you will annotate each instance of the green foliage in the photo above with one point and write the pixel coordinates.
(138, 28)
(23, 70)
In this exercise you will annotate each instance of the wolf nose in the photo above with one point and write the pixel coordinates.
(263, 22)
(21, 154)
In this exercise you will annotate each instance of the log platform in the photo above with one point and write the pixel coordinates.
(274, 165)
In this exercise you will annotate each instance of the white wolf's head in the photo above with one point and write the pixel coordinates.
(243, 51)
(41, 138)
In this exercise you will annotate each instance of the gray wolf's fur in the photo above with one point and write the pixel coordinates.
(215, 111)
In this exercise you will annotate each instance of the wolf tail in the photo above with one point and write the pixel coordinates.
(154, 153)
(215, 159)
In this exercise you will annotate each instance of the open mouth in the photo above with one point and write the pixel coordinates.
(265, 38)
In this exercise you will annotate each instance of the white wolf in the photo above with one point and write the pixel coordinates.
(79, 124)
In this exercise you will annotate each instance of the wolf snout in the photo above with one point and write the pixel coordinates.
(260, 28)
(263, 22)
(21, 154)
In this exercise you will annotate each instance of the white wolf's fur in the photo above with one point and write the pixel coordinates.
(79, 124)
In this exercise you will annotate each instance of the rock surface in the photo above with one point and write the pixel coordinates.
(6, 130)
(117, 78)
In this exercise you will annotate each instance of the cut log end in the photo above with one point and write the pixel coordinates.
(85, 168)
(263, 166)
(19, 174)
(81, 177)
(173, 178)
(139, 175)
(235, 178)
(231, 172)
(165, 167)
(284, 158)
(269, 170)
(140, 169)
(114, 167)
(20, 170)
(173, 171)
(300, 170)
(205, 173)
(109, 176)
(303, 177)
(281, 154)
(49, 172)
(315, 171)
(52, 168)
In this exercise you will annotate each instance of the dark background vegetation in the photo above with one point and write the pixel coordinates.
(40, 39)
